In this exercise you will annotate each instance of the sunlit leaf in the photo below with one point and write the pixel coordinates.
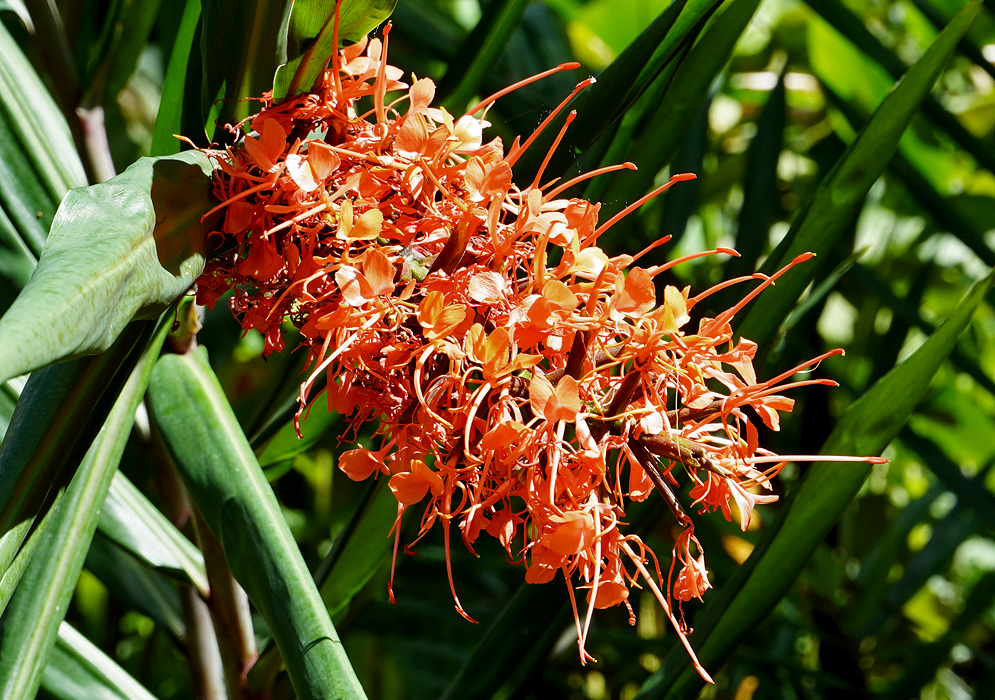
(79, 669)
(231, 492)
(310, 39)
(118, 251)
(818, 226)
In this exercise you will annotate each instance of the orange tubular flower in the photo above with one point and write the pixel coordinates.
(416, 271)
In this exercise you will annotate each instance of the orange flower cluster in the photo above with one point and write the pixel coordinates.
(512, 396)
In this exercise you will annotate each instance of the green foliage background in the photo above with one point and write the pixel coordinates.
(878, 581)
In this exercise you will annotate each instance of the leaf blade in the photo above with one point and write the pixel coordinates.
(229, 488)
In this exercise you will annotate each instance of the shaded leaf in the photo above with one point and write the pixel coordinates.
(176, 98)
(619, 85)
(38, 165)
(135, 585)
(58, 415)
(680, 106)
(477, 55)
(30, 624)
(129, 520)
(359, 550)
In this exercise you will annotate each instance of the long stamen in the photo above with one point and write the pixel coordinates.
(552, 149)
(635, 205)
(516, 152)
(520, 84)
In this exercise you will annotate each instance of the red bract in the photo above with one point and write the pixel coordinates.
(509, 397)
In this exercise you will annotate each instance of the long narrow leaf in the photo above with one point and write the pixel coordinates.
(819, 225)
(680, 105)
(619, 85)
(175, 96)
(310, 38)
(59, 413)
(129, 520)
(232, 493)
(476, 57)
(78, 669)
(30, 624)
(38, 161)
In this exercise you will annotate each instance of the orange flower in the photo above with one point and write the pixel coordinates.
(545, 398)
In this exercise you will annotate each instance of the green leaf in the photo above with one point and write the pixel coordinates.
(175, 95)
(129, 520)
(38, 165)
(118, 251)
(30, 624)
(926, 660)
(679, 106)
(135, 585)
(853, 28)
(532, 614)
(57, 417)
(359, 549)
(476, 57)
(231, 492)
(618, 86)
(78, 669)
(814, 506)
(125, 33)
(310, 39)
(759, 186)
(819, 225)
(241, 44)
(286, 444)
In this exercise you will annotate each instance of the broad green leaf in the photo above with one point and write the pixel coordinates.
(118, 251)
(56, 419)
(241, 44)
(129, 520)
(359, 549)
(618, 86)
(169, 118)
(310, 39)
(38, 165)
(231, 492)
(819, 225)
(31, 622)
(477, 55)
(814, 506)
(78, 669)
(679, 106)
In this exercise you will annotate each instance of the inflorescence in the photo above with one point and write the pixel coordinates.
(510, 397)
